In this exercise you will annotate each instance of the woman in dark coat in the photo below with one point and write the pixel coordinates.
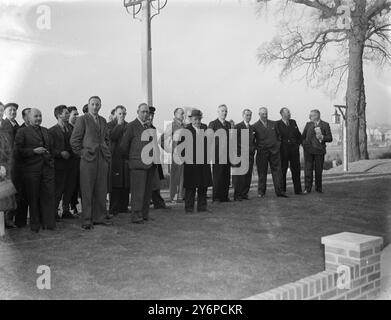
(197, 177)
(119, 186)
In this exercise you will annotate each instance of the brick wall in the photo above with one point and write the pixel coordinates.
(352, 271)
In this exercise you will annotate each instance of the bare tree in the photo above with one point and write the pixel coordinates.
(329, 40)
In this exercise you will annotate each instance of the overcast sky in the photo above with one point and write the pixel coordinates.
(204, 54)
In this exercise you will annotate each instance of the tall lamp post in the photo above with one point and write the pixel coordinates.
(147, 9)
(342, 110)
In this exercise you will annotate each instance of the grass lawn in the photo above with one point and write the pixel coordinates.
(237, 251)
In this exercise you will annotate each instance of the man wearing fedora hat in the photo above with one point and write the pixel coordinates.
(197, 177)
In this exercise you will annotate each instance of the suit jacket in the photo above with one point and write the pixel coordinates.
(60, 144)
(26, 140)
(132, 146)
(290, 135)
(267, 138)
(166, 139)
(251, 143)
(197, 175)
(88, 139)
(310, 143)
(119, 171)
(6, 126)
(216, 125)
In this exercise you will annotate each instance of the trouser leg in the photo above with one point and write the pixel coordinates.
(47, 199)
(32, 181)
(150, 176)
(201, 199)
(262, 164)
(189, 199)
(308, 169)
(275, 167)
(295, 169)
(138, 180)
(319, 160)
(88, 171)
(99, 207)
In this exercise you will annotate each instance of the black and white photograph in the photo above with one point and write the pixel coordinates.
(198, 156)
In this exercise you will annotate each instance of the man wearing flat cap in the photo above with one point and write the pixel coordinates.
(10, 126)
(197, 174)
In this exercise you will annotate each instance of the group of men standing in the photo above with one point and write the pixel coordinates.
(86, 156)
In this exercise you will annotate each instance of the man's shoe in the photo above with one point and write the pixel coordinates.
(261, 195)
(68, 215)
(109, 216)
(319, 190)
(161, 207)
(282, 195)
(87, 226)
(138, 221)
(238, 199)
(103, 223)
(10, 225)
(245, 198)
(307, 191)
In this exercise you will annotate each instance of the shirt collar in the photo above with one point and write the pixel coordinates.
(222, 121)
(142, 123)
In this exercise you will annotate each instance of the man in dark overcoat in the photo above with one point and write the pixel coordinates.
(197, 174)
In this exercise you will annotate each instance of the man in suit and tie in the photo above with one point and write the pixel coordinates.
(90, 140)
(63, 154)
(267, 139)
(141, 173)
(119, 185)
(221, 167)
(242, 183)
(34, 147)
(290, 154)
(315, 135)
(168, 143)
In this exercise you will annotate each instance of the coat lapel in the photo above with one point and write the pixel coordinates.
(34, 132)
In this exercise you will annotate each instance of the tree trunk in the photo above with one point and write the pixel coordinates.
(355, 94)
(353, 100)
(362, 133)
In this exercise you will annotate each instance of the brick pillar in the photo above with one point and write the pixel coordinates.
(361, 254)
